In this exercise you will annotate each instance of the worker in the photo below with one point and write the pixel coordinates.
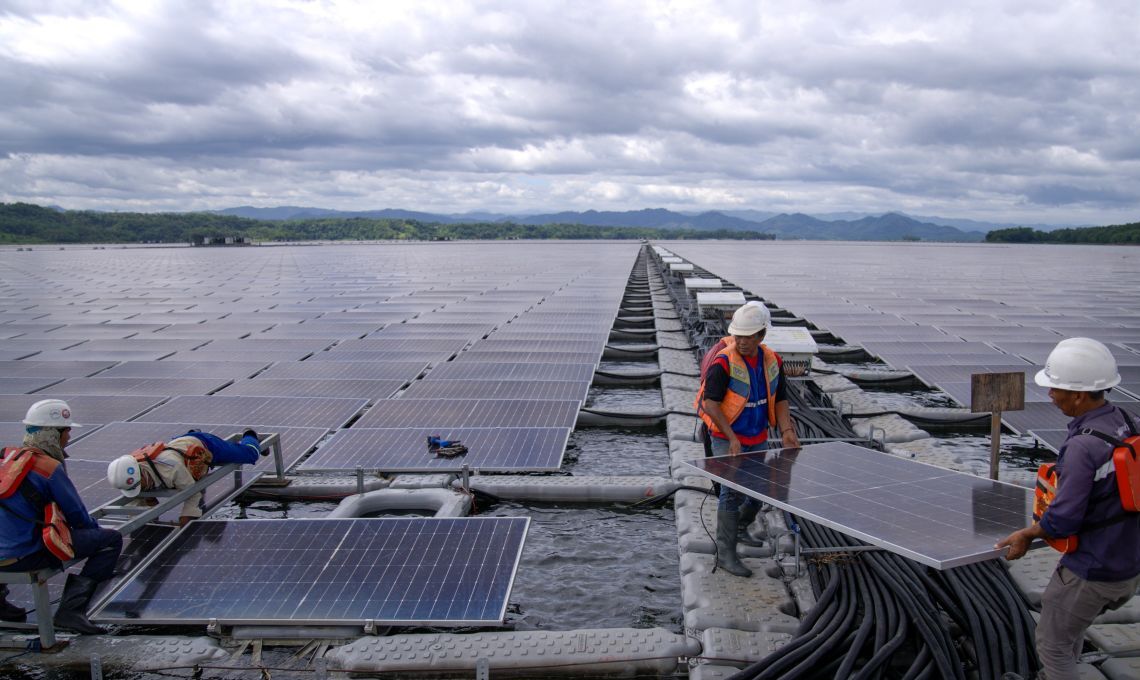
(48, 426)
(1103, 571)
(179, 463)
(742, 394)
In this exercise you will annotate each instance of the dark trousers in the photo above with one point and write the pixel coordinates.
(100, 547)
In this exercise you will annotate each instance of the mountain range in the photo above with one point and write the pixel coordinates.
(890, 226)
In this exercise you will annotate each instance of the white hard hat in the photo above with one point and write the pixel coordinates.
(750, 319)
(50, 413)
(1079, 365)
(125, 474)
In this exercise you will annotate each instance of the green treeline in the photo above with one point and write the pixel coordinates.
(1119, 233)
(24, 223)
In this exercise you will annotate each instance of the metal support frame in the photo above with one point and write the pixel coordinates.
(38, 580)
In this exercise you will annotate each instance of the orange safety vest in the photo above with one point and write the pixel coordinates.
(739, 385)
(15, 464)
(1125, 464)
(194, 454)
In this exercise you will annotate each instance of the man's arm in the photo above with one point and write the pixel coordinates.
(788, 436)
(1018, 542)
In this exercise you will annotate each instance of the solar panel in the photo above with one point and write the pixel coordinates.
(377, 343)
(116, 439)
(493, 389)
(227, 370)
(17, 354)
(29, 346)
(531, 335)
(552, 343)
(90, 480)
(935, 516)
(222, 354)
(402, 570)
(326, 412)
(268, 387)
(471, 413)
(530, 357)
(497, 449)
(932, 373)
(1053, 439)
(24, 385)
(162, 387)
(347, 370)
(478, 370)
(86, 409)
(364, 355)
(77, 354)
(433, 330)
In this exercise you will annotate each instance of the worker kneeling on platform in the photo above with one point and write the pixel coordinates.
(36, 497)
(1090, 514)
(179, 463)
(743, 392)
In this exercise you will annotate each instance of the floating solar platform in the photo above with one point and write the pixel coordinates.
(87, 410)
(492, 449)
(347, 370)
(325, 412)
(494, 389)
(471, 413)
(371, 390)
(224, 370)
(160, 387)
(116, 439)
(478, 370)
(934, 516)
(388, 571)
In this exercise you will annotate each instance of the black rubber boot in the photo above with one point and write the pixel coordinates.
(727, 522)
(72, 612)
(747, 515)
(9, 611)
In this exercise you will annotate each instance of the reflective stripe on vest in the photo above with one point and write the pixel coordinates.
(739, 386)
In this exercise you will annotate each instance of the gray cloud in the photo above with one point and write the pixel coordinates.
(1009, 110)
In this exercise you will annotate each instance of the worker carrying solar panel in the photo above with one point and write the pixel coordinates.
(1101, 571)
(179, 463)
(743, 392)
(35, 495)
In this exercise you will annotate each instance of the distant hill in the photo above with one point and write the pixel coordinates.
(288, 212)
(656, 218)
(888, 227)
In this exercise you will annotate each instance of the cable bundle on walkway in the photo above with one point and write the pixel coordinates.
(880, 615)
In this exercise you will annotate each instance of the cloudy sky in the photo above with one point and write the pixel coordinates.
(1000, 110)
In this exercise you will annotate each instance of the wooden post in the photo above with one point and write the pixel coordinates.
(996, 392)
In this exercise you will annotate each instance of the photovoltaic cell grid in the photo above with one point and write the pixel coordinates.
(393, 571)
(227, 370)
(268, 387)
(326, 412)
(162, 387)
(511, 371)
(935, 516)
(24, 385)
(470, 413)
(52, 369)
(498, 449)
(346, 370)
(529, 357)
(116, 439)
(493, 389)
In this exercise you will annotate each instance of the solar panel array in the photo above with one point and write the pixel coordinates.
(967, 305)
(405, 571)
(935, 516)
(308, 340)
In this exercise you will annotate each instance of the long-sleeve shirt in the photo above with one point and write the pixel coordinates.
(1086, 495)
(19, 534)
